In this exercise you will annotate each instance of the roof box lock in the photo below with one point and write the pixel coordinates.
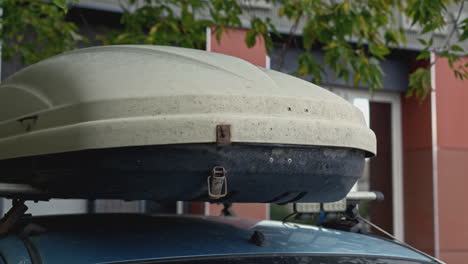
(217, 183)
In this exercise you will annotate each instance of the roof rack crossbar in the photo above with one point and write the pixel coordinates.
(13, 190)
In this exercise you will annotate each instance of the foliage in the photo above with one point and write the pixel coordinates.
(160, 24)
(419, 82)
(354, 35)
(35, 30)
(432, 16)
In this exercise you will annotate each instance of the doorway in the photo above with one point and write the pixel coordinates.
(384, 173)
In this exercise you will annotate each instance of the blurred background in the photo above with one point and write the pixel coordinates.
(422, 144)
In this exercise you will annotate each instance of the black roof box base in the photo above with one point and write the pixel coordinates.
(255, 173)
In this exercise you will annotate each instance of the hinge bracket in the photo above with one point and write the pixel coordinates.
(223, 135)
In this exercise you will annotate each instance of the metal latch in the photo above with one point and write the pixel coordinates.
(223, 135)
(217, 183)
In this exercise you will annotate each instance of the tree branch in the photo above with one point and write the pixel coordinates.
(454, 28)
(286, 46)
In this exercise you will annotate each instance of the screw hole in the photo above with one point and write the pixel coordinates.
(289, 108)
(306, 110)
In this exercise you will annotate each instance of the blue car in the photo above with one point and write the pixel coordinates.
(132, 238)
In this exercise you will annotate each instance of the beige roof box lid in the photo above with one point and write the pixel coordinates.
(134, 118)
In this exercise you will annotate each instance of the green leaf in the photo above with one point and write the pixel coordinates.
(422, 41)
(378, 50)
(356, 79)
(464, 28)
(419, 83)
(456, 48)
(429, 28)
(60, 3)
(63, 4)
(251, 38)
(281, 12)
(424, 55)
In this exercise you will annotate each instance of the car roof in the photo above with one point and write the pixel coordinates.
(104, 238)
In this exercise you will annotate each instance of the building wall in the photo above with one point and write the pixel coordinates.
(452, 162)
(418, 174)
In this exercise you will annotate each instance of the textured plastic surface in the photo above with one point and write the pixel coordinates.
(255, 173)
(119, 96)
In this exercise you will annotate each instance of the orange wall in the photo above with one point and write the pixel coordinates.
(232, 43)
(418, 177)
(452, 138)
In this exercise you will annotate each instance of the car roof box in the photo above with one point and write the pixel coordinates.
(166, 123)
